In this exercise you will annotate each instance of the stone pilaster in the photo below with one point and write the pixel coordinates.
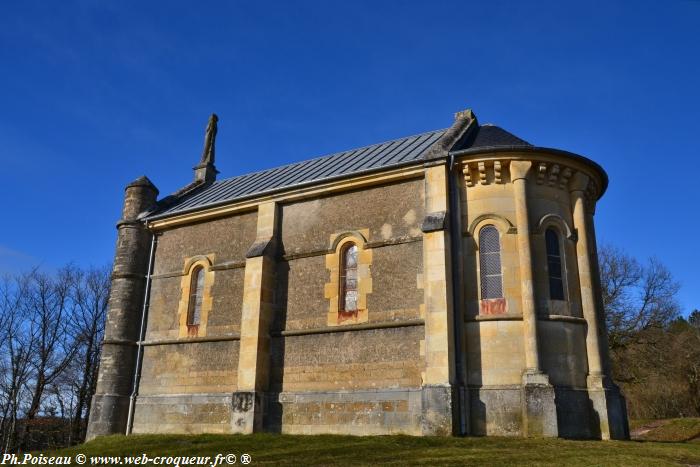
(609, 417)
(254, 356)
(438, 384)
(110, 404)
(539, 410)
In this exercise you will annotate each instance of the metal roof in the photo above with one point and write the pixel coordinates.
(390, 154)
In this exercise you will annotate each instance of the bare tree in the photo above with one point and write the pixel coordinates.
(636, 296)
(51, 331)
(17, 347)
(655, 352)
(49, 308)
(90, 294)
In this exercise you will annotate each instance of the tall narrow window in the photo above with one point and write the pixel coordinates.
(490, 263)
(348, 279)
(194, 309)
(556, 281)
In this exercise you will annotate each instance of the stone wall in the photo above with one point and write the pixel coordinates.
(308, 372)
(388, 212)
(186, 385)
(357, 379)
(182, 381)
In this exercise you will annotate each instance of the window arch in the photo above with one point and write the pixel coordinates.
(554, 265)
(490, 263)
(348, 279)
(194, 307)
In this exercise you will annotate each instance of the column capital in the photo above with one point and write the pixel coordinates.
(519, 169)
(579, 182)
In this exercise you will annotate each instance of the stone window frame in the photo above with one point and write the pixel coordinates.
(194, 315)
(566, 235)
(492, 306)
(333, 288)
(483, 275)
(191, 265)
(562, 264)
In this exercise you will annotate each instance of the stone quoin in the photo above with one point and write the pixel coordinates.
(440, 284)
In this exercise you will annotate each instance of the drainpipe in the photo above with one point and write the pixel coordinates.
(456, 253)
(142, 331)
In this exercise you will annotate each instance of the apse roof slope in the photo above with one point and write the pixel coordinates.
(390, 154)
(490, 135)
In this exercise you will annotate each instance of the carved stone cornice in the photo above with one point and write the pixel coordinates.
(544, 173)
(554, 175)
(484, 172)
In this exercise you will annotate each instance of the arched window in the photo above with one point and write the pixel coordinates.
(348, 279)
(554, 269)
(490, 263)
(194, 309)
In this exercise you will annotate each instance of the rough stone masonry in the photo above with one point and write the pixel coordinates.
(440, 284)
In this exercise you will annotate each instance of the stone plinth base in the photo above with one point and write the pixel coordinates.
(358, 412)
(501, 411)
(247, 409)
(539, 409)
(609, 410)
(184, 413)
(437, 416)
(108, 415)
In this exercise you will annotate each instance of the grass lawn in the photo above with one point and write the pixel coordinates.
(397, 450)
(674, 429)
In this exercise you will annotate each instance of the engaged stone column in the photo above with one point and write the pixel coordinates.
(609, 415)
(110, 404)
(254, 355)
(588, 301)
(437, 393)
(518, 174)
(539, 410)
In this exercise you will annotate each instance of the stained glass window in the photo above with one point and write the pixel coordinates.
(196, 292)
(348, 278)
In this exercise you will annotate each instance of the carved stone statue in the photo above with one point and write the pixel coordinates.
(209, 141)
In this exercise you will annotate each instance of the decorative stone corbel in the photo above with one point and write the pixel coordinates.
(553, 175)
(467, 171)
(541, 172)
(564, 179)
(482, 172)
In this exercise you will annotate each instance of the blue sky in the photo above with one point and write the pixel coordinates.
(95, 94)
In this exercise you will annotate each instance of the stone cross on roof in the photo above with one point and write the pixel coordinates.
(205, 170)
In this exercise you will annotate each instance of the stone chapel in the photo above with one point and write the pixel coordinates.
(439, 284)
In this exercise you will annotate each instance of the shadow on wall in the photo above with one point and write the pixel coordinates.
(576, 416)
(273, 412)
(472, 346)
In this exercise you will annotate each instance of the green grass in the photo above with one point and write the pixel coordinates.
(397, 450)
(675, 429)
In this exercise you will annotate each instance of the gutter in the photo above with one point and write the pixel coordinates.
(142, 332)
(457, 305)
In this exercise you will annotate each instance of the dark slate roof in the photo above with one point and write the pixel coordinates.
(391, 154)
(492, 136)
